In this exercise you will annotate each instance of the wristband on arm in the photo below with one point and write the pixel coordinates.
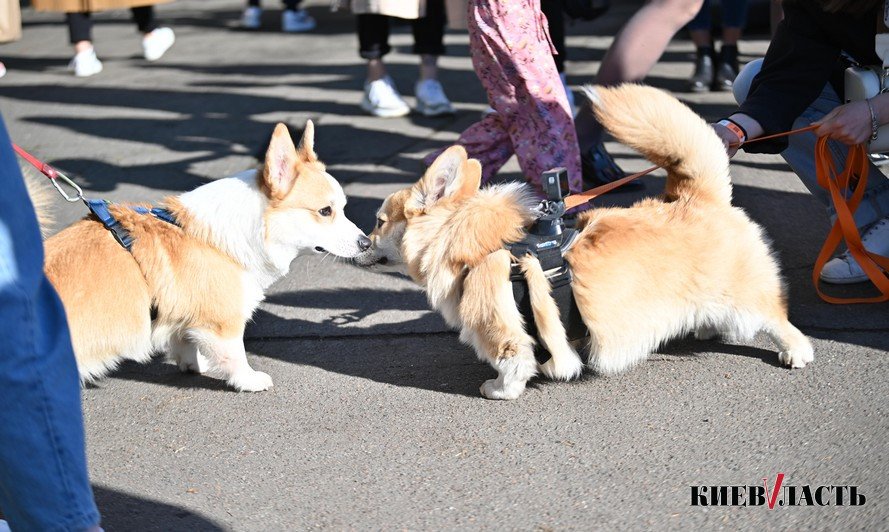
(735, 128)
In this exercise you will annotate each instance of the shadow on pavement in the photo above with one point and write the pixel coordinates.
(123, 511)
(210, 125)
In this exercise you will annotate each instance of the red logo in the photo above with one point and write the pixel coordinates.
(773, 495)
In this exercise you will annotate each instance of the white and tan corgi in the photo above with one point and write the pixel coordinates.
(188, 289)
(688, 262)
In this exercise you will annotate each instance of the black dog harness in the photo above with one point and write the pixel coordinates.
(550, 251)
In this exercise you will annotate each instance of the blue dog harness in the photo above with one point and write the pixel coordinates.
(100, 209)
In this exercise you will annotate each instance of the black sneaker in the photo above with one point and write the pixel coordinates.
(599, 168)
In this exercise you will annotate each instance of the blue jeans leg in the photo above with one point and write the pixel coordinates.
(43, 474)
(800, 155)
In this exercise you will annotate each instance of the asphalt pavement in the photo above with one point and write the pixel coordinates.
(375, 420)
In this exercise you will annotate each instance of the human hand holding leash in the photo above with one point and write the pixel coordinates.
(852, 123)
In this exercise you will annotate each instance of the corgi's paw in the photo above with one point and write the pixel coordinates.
(797, 357)
(564, 367)
(197, 364)
(494, 389)
(251, 381)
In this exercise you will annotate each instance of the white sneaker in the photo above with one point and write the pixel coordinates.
(431, 99)
(156, 43)
(4, 526)
(381, 98)
(845, 269)
(296, 21)
(85, 64)
(252, 18)
(568, 93)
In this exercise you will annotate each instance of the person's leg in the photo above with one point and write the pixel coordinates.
(80, 28)
(428, 34)
(381, 98)
(523, 88)
(43, 474)
(555, 19)
(143, 16)
(80, 31)
(872, 216)
(156, 40)
(734, 18)
(373, 43)
(488, 141)
(699, 30)
(799, 155)
(634, 51)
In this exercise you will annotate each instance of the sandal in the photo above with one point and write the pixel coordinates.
(599, 168)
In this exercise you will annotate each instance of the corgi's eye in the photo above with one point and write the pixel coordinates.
(380, 222)
(326, 211)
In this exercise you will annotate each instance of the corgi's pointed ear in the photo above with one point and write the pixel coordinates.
(279, 171)
(445, 178)
(306, 150)
(470, 178)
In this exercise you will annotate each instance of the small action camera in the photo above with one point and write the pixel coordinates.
(555, 187)
(555, 184)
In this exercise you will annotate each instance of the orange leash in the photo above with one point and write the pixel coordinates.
(844, 228)
(576, 200)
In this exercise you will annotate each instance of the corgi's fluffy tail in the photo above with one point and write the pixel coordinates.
(565, 364)
(670, 135)
(41, 194)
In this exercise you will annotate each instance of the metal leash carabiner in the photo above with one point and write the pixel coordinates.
(53, 174)
(70, 183)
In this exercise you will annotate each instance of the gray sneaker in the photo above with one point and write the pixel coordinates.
(431, 99)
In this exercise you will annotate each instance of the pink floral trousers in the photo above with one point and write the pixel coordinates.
(512, 56)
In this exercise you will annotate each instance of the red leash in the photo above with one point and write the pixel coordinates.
(52, 173)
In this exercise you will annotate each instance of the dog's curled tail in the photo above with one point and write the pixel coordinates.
(670, 135)
(565, 364)
(41, 195)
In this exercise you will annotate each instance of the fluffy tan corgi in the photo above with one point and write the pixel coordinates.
(688, 262)
(189, 288)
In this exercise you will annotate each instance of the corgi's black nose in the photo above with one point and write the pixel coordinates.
(363, 243)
